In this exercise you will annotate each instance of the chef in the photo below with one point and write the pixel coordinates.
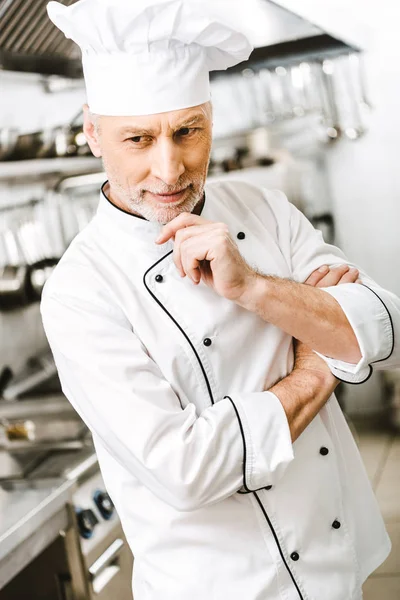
(172, 318)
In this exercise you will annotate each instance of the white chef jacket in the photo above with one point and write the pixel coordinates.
(215, 500)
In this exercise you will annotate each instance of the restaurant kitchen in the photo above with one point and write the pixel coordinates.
(313, 112)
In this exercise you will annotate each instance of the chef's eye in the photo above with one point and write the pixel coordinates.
(139, 140)
(186, 131)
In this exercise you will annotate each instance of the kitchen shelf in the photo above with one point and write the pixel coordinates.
(14, 170)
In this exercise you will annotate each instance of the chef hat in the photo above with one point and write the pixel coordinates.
(145, 57)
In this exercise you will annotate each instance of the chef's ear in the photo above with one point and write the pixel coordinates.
(91, 129)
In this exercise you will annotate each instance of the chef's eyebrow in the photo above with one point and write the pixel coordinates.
(138, 131)
(191, 121)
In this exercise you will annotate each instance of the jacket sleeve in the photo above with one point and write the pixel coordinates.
(373, 312)
(241, 442)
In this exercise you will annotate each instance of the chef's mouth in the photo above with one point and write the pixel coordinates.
(170, 197)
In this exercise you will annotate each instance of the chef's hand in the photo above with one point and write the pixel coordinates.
(327, 276)
(304, 358)
(204, 250)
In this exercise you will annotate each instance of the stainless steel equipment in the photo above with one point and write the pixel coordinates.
(89, 559)
(39, 370)
(8, 140)
(28, 252)
(48, 466)
(51, 142)
(107, 559)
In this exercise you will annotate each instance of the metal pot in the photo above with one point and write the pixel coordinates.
(38, 274)
(13, 286)
(8, 140)
(70, 139)
(51, 142)
(28, 145)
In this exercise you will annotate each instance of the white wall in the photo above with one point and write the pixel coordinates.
(365, 175)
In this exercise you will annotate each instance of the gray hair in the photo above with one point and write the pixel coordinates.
(95, 120)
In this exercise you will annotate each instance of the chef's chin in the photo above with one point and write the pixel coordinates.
(165, 214)
(162, 212)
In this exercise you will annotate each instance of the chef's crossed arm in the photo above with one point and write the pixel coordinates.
(353, 327)
(372, 311)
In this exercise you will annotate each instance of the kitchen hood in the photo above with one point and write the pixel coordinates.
(30, 42)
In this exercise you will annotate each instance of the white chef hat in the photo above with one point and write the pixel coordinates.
(145, 57)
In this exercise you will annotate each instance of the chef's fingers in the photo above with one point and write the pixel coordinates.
(350, 277)
(205, 247)
(180, 222)
(190, 232)
(317, 275)
(333, 276)
(193, 251)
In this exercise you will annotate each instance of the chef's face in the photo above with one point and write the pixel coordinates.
(157, 164)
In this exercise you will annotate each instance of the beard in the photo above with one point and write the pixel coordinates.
(137, 202)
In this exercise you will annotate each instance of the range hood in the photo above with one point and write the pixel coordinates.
(30, 42)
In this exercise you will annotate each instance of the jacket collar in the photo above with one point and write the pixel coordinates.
(131, 224)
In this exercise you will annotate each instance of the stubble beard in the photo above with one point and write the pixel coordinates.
(135, 200)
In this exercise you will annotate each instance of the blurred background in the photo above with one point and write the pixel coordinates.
(314, 112)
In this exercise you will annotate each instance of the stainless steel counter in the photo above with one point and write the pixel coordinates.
(34, 510)
(31, 517)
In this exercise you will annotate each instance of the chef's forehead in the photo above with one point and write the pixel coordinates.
(186, 117)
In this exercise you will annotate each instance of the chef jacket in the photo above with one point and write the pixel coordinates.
(215, 500)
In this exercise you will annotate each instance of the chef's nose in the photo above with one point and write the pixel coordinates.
(167, 162)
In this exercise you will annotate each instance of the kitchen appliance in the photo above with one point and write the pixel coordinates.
(90, 559)
(43, 441)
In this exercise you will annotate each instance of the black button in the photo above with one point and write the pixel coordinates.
(269, 487)
(241, 235)
(336, 525)
(207, 342)
(324, 451)
(159, 278)
(294, 556)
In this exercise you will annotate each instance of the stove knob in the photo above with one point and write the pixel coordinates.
(87, 521)
(104, 504)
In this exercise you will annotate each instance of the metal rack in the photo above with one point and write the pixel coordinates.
(15, 170)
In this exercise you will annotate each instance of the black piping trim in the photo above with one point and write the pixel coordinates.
(356, 382)
(237, 414)
(246, 487)
(279, 547)
(177, 324)
(391, 324)
(381, 359)
(118, 207)
(259, 501)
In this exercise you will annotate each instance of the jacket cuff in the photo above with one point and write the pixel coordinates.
(372, 326)
(267, 443)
